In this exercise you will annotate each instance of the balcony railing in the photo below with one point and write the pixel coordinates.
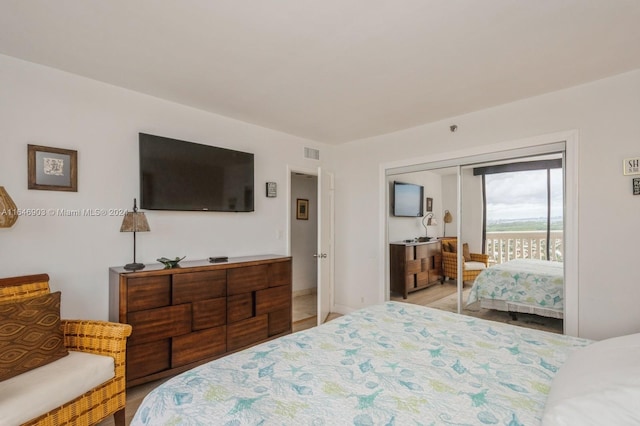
(504, 246)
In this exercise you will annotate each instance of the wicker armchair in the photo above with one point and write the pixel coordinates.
(450, 263)
(98, 337)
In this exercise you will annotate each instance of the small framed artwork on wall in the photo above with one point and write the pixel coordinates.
(302, 209)
(52, 169)
(272, 190)
(429, 204)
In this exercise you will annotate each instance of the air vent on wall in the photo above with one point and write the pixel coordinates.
(313, 154)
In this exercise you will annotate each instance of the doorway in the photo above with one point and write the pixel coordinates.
(304, 243)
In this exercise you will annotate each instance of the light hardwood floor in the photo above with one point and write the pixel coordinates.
(429, 295)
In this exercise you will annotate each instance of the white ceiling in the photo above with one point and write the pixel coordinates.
(330, 70)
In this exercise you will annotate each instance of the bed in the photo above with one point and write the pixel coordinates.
(394, 363)
(521, 285)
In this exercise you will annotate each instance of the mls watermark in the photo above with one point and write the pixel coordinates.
(40, 212)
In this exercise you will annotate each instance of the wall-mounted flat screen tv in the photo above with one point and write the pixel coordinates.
(180, 175)
(407, 199)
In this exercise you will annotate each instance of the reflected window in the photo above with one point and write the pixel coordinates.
(523, 210)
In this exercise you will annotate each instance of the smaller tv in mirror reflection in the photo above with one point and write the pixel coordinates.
(408, 199)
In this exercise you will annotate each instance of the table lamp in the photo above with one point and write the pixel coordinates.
(427, 221)
(134, 222)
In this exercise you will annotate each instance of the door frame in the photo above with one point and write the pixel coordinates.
(290, 170)
(313, 171)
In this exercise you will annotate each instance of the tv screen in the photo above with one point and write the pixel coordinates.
(179, 175)
(407, 199)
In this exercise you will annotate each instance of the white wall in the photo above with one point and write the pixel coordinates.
(43, 106)
(304, 233)
(605, 115)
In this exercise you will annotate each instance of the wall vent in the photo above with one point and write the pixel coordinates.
(311, 153)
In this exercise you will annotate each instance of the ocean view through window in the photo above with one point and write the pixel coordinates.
(524, 214)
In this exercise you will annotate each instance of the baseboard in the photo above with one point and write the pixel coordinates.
(342, 309)
(304, 292)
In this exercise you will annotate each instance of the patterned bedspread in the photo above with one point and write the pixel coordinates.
(390, 364)
(526, 282)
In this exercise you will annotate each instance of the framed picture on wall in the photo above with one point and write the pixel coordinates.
(302, 209)
(52, 169)
(429, 204)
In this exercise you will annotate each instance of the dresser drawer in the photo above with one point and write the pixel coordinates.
(240, 307)
(413, 266)
(247, 332)
(209, 313)
(198, 345)
(272, 299)
(160, 323)
(199, 286)
(148, 292)
(280, 274)
(279, 321)
(248, 279)
(148, 358)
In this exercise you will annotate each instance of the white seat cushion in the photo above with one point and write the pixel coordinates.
(474, 266)
(39, 391)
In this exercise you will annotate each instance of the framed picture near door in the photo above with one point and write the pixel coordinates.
(302, 209)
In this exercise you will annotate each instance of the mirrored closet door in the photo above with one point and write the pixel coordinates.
(490, 235)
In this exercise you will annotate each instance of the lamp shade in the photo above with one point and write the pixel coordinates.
(8, 210)
(134, 222)
(447, 218)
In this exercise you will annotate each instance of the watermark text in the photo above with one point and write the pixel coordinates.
(42, 212)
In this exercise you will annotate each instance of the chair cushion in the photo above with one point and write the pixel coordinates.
(474, 266)
(30, 334)
(39, 391)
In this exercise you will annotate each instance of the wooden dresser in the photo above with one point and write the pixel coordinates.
(414, 266)
(199, 311)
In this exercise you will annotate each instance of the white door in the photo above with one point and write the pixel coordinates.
(324, 254)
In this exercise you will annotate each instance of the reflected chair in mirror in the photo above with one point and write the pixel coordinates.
(473, 264)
